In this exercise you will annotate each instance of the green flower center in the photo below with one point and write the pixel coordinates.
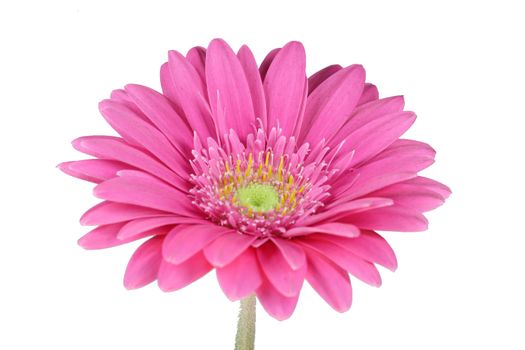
(258, 197)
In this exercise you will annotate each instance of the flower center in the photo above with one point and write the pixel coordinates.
(258, 197)
(260, 187)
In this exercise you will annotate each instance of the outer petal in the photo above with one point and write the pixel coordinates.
(367, 112)
(330, 105)
(137, 226)
(253, 77)
(357, 205)
(147, 192)
(115, 148)
(369, 94)
(169, 89)
(317, 78)
(286, 281)
(241, 277)
(173, 277)
(122, 97)
(394, 218)
(93, 170)
(398, 162)
(144, 264)
(265, 65)
(106, 236)
(430, 185)
(133, 128)
(345, 259)
(226, 248)
(292, 252)
(226, 81)
(196, 56)
(369, 246)
(276, 304)
(159, 111)
(190, 94)
(284, 86)
(184, 241)
(101, 237)
(412, 194)
(110, 212)
(329, 281)
(331, 228)
(376, 135)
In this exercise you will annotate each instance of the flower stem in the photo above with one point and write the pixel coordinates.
(245, 339)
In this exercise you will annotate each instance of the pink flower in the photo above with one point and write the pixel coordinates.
(267, 176)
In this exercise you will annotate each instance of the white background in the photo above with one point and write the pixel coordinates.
(460, 65)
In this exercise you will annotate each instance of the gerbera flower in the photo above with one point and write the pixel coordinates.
(267, 176)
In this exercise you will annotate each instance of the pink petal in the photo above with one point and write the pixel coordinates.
(329, 106)
(146, 192)
(276, 304)
(101, 237)
(331, 228)
(412, 195)
(196, 56)
(348, 261)
(93, 170)
(369, 94)
(286, 281)
(241, 277)
(357, 205)
(110, 212)
(394, 218)
(329, 281)
(140, 225)
(122, 97)
(369, 246)
(292, 252)
(114, 148)
(284, 87)
(430, 185)
(106, 236)
(253, 77)
(173, 277)
(265, 65)
(133, 128)
(160, 112)
(184, 241)
(226, 248)
(376, 135)
(317, 78)
(374, 248)
(226, 81)
(144, 264)
(169, 89)
(367, 112)
(190, 94)
(398, 162)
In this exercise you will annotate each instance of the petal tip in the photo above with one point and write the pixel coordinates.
(219, 43)
(77, 143)
(84, 221)
(84, 243)
(64, 166)
(163, 287)
(297, 45)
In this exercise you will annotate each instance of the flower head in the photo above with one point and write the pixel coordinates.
(267, 176)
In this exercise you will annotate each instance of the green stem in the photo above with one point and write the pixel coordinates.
(245, 339)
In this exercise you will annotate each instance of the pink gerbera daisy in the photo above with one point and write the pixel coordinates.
(267, 176)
